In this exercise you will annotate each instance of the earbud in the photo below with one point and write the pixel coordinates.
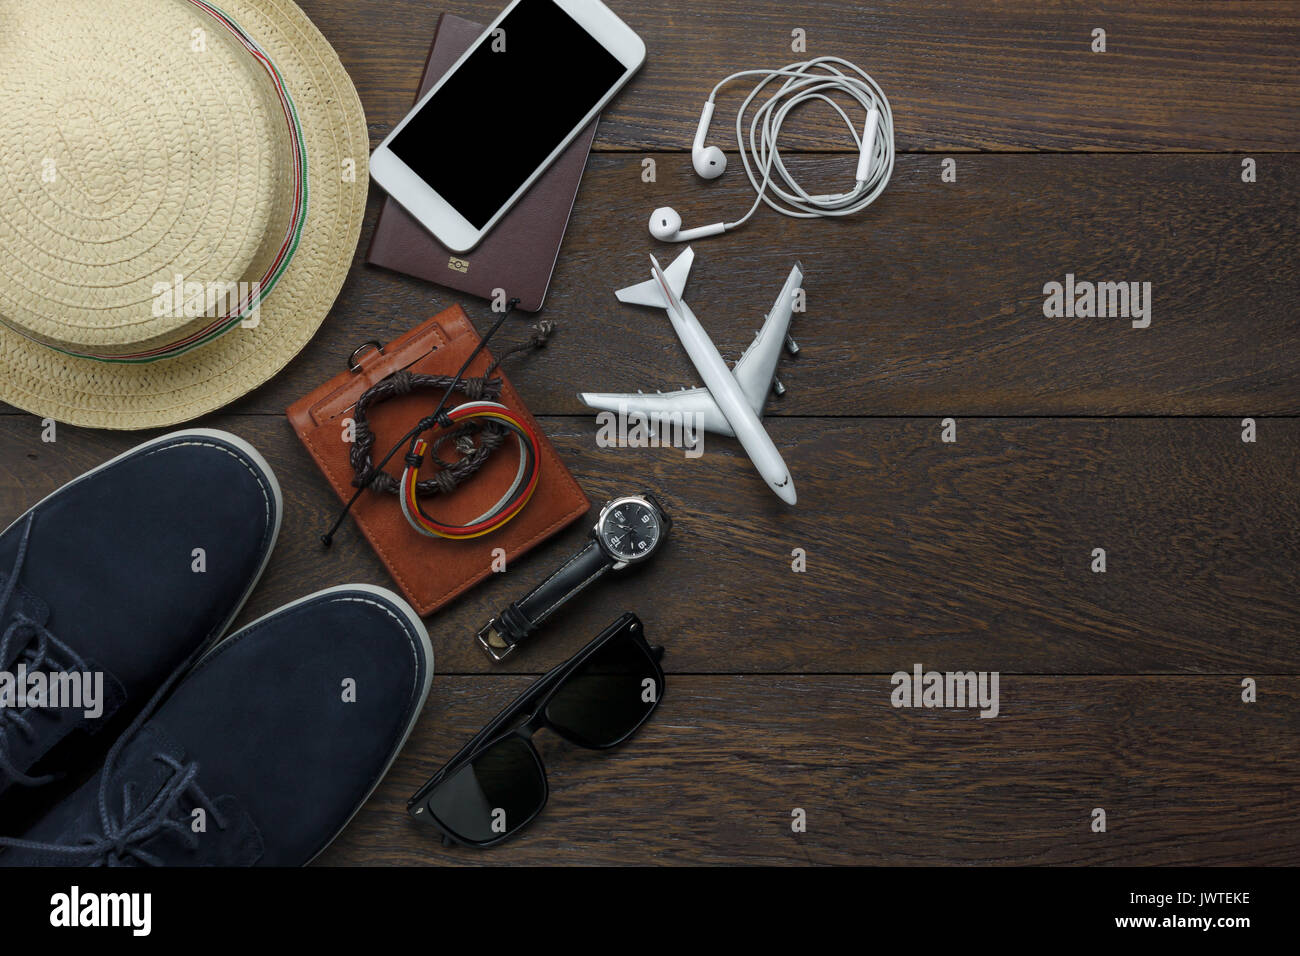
(709, 161)
(774, 184)
(666, 226)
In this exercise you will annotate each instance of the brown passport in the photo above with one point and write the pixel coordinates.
(433, 571)
(519, 254)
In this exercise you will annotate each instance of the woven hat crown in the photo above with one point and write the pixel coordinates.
(145, 154)
(140, 140)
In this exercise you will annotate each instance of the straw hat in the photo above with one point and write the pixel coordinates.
(181, 190)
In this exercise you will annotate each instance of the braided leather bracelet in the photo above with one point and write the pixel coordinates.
(403, 382)
(449, 474)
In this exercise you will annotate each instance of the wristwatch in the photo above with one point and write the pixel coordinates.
(628, 531)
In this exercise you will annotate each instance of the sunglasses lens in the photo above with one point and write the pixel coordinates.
(608, 696)
(493, 795)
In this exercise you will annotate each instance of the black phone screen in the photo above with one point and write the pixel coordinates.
(518, 96)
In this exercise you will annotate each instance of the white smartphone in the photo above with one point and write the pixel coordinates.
(503, 113)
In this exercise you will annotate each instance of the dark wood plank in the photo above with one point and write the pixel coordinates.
(1119, 690)
(977, 551)
(1186, 772)
(930, 303)
(960, 75)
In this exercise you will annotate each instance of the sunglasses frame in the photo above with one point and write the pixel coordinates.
(533, 703)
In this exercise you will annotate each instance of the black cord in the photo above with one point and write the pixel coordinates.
(422, 426)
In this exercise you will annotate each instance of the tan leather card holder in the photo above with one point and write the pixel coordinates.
(431, 571)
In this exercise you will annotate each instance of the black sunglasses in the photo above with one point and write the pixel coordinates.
(496, 785)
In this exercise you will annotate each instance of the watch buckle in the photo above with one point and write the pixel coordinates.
(497, 654)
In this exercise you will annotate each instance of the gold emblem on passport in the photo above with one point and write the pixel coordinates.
(458, 265)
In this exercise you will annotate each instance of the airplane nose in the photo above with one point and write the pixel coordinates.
(785, 491)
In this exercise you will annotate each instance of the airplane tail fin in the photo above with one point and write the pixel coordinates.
(649, 292)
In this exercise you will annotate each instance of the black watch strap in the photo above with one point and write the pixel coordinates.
(500, 635)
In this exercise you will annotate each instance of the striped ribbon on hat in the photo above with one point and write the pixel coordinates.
(275, 270)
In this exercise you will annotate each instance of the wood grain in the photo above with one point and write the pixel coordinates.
(1186, 772)
(930, 303)
(1119, 690)
(916, 549)
(960, 74)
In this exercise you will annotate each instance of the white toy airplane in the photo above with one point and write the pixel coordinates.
(731, 401)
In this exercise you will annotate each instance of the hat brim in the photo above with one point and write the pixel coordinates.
(96, 394)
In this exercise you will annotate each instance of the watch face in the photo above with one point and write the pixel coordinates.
(630, 529)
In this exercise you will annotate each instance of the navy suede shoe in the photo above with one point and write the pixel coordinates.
(113, 582)
(262, 753)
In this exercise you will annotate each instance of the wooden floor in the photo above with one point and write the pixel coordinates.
(1121, 690)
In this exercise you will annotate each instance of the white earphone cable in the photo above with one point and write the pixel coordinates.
(807, 81)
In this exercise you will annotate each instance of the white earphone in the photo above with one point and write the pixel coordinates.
(805, 81)
(709, 161)
(666, 224)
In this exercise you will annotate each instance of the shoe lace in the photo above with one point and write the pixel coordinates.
(122, 840)
(39, 642)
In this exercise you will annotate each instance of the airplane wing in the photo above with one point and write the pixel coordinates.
(754, 371)
(757, 366)
(664, 407)
(650, 293)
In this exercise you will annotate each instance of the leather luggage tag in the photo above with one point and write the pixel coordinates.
(431, 572)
